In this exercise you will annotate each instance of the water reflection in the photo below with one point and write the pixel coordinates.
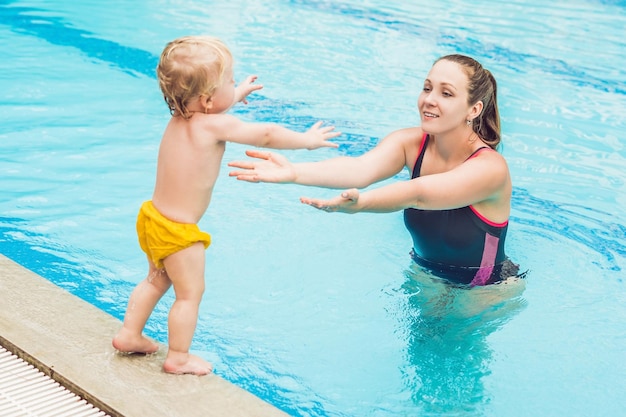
(447, 349)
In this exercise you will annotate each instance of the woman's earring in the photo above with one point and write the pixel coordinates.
(468, 122)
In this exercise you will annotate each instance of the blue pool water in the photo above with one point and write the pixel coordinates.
(322, 315)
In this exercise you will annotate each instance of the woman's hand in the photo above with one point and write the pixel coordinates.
(346, 202)
(272, 167)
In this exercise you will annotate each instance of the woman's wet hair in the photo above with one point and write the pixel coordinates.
(481, 87)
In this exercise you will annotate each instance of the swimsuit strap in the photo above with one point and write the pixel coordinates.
(420, 156)
(476, 151)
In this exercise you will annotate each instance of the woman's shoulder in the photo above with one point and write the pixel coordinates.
(407, 141)
(413, 135)
(414, 132)
(489, 155)
(488, 163)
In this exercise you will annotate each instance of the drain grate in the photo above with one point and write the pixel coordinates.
(27, 392)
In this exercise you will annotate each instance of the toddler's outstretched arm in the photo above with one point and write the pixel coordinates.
(229, 128)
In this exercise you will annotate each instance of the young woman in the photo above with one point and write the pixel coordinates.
(458, 200)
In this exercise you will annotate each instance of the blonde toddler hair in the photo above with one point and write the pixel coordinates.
(189, 67)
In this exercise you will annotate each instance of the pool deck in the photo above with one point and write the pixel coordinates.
(69, 340)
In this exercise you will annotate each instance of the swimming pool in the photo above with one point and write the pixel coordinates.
(319, 314)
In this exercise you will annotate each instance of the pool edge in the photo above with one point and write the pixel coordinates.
(69, 340)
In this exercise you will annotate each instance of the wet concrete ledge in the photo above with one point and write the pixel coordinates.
(69, 340)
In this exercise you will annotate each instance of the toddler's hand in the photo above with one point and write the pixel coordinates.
(246, 87)
(318, 136)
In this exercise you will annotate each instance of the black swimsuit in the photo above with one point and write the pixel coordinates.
(459, 244)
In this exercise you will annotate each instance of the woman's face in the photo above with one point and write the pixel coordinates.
(443, 101)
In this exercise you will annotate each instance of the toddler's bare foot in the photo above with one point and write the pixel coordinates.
(186, 363)
(129, 343)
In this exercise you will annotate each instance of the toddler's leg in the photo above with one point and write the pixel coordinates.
(186, 271)
(142, 301)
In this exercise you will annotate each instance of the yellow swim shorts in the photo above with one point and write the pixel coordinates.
(160, 237)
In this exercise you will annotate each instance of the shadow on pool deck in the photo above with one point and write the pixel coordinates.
(69, 340)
